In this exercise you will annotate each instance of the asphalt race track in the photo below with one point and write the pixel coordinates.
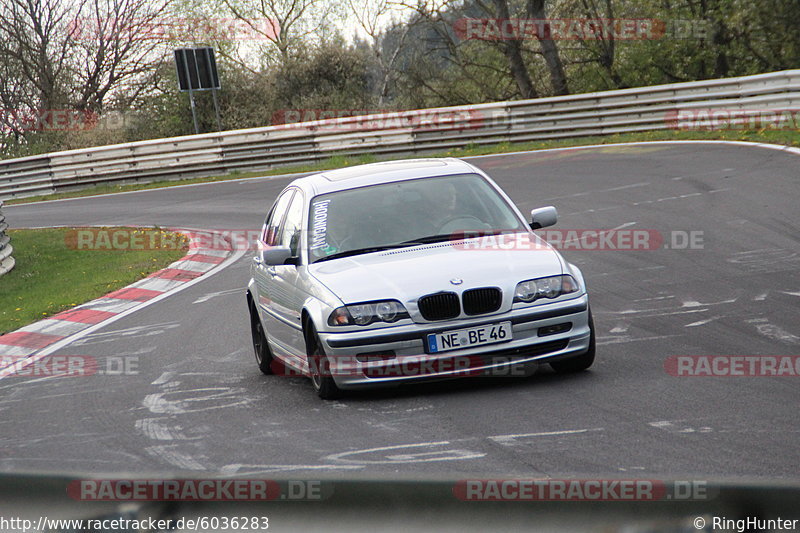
(199, 405)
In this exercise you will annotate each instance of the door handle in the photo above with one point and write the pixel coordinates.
(271, 270)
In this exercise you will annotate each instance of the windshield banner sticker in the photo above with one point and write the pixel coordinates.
(319, 229)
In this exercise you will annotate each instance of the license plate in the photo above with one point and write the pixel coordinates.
(469, 337)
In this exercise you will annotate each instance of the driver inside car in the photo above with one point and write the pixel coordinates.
(453, 212)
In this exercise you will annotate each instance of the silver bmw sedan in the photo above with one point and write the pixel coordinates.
(411, 270)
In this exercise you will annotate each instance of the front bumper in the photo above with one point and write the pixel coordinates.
(389, 356)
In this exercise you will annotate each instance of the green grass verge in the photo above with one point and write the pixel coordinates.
(51, 276)
(781, 137)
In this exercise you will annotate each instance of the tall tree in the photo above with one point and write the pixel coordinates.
(35, 52)
(299, 22)
(115, 42)
(372, 16)
(71, 54)
(558, 79)
(512, 49)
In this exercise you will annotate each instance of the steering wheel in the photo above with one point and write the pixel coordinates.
(461, 222)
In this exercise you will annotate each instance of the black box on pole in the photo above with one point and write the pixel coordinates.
(196, 69)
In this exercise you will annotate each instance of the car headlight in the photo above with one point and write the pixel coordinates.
(551, 287)
(367, 313)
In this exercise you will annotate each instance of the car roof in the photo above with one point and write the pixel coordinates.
(377, 173)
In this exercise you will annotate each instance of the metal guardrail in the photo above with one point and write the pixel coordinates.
(6, 261)
(393, 134)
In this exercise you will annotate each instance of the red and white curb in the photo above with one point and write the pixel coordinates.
(30, 343)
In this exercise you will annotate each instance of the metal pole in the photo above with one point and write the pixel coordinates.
(194, 113)
(191, 94)
(216, 109)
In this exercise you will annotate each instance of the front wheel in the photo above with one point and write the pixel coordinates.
(320, 368)
(581, 362)
(264, 358)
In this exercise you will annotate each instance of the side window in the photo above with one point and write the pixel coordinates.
(290, 234)
(273, 223)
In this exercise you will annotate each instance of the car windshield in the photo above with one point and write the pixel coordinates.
(405, 213)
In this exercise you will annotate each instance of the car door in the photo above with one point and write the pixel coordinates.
(263, 274)
(286, 297)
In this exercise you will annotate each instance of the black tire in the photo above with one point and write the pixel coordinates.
(319, 367)
(580, 362)
(264, 358)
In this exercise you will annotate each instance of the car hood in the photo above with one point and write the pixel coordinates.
(408, 273)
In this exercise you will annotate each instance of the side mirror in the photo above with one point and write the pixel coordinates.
(543, 217)
(277, 255)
